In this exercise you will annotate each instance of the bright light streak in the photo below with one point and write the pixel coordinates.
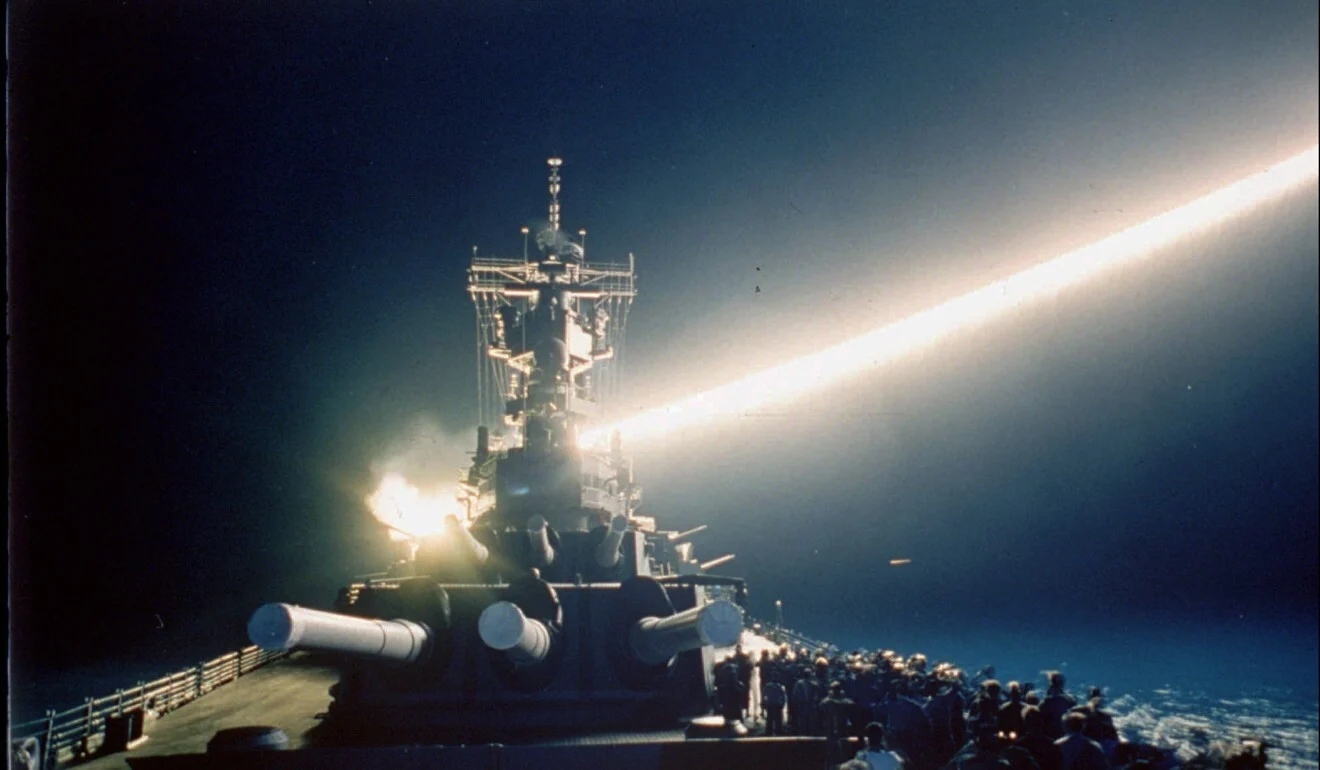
(888, 343)
(410, 513)
(899, 562)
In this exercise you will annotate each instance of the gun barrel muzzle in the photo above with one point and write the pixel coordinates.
(687, 532)
(503, 626)
(655, 640)
(717, 562)
(464, 538)
(608, 552)
(542, 554)
(278, 626)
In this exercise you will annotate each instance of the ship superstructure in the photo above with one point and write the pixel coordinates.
(550, 331)
(548, 624)
(551, 607)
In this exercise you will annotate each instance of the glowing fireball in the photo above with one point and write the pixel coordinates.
(409, 512)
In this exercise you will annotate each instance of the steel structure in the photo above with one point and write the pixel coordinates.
(551, 331)
(549, 607)
(598, 297)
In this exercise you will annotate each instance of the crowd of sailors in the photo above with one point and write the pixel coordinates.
(910, 714)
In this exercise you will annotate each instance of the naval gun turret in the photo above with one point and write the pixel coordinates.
(551, 606)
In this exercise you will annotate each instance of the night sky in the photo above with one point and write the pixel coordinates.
(238, 234)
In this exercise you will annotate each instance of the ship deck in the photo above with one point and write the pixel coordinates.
(290, 694)
(287, 694)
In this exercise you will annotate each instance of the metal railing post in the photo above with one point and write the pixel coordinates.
(48, 754)
(61, 732)
(87, 727)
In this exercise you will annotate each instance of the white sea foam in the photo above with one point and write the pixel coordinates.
(1188, 721)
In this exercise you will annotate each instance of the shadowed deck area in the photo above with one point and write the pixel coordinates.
(287, 694)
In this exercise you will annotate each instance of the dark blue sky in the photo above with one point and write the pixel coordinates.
(238, 235)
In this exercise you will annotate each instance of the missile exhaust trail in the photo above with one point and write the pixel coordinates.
(876, 348)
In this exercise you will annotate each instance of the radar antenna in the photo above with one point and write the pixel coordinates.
(555, 163)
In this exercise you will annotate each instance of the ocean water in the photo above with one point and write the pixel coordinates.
(1180, 684)
(1189, 720)
(31, 692)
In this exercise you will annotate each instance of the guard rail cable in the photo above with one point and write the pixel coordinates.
(77, 733)
(785, 635)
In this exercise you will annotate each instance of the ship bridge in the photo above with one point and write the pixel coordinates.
(550, 342)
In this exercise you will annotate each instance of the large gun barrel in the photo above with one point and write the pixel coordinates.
(687, 532)
(277, 626)
(655, 640)
(538, 536)
(503, 626)
(716, 562)
(466, 541)
(607, 552)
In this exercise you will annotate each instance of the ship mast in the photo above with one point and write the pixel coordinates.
(550, 333)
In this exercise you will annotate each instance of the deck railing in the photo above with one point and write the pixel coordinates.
(785, 635)
(78, 732)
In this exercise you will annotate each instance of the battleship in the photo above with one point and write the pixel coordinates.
(545, 622)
